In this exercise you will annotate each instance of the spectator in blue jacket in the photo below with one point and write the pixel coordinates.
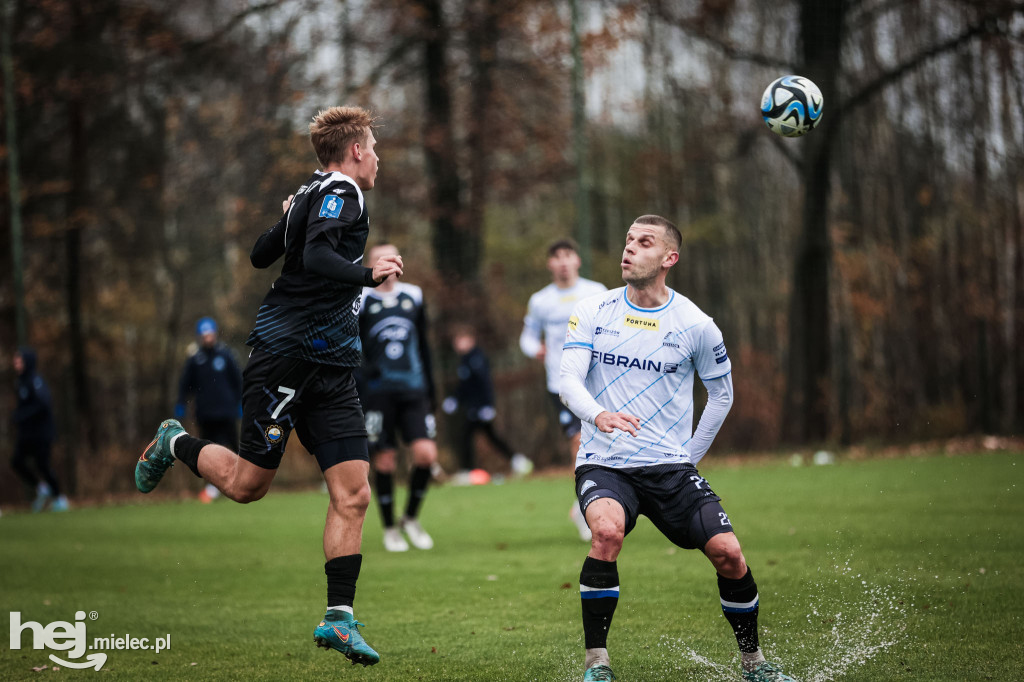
(212, 375)
(34, 429)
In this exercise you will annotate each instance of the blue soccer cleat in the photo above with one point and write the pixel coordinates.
(766, 672)
(157, 457)
(340, 631)
(598, 673)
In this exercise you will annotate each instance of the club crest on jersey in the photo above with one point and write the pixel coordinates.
(331, 208)
(642, 322)
(669, 341)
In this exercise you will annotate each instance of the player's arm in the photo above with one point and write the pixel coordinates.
(530, 339)
(574, 394)
(270, 246)
(711, 360)
(579, 344)
(326, 227)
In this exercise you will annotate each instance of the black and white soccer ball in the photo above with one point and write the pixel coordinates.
(791, 106)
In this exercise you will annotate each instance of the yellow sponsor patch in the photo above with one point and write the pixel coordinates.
(574, 322)
(642, 322)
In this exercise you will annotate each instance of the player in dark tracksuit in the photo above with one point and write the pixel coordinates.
(397, 392)
(300, 372)
(211, 374)
(34, 434)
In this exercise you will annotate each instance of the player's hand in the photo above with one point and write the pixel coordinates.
(609, 421)
(286, 203)
(541, 352)
(387, 266)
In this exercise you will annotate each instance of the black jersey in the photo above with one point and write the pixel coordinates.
(392, 326)
(306, 314)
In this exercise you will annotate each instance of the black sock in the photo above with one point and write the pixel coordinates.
(418, 481)
(342, 573)
(739, 604)
(386, 498)
(186, 451)
(599, 594)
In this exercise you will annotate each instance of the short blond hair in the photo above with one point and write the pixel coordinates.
(336, 129)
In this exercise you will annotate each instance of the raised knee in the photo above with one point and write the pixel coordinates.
(246, 495)
(607, 532)
(354, 502)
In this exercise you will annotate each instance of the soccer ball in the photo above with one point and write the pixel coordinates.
(791, 106)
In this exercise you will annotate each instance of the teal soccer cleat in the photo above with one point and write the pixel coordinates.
(598, 673)
(157, 457)
(340, 631)
(766, 672)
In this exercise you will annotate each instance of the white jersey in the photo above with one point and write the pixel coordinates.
(547, 315)
(642, 362)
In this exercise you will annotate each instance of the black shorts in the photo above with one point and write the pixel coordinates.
(676, 499)
(389, 413)
(567, 421)
(320, 402)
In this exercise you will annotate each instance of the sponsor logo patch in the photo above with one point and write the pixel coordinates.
(331, 208)
(642, 322)
(606, 331)
(574, 322)
(721, 355)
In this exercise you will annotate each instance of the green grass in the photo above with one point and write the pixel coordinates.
(894, 569)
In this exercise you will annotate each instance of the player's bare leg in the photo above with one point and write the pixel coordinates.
(238, 478)
(740, 606)
(349, 489)
(599, 584)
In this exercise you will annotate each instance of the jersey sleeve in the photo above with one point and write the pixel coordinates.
(580, 331)
(710, 357)
(331, 213)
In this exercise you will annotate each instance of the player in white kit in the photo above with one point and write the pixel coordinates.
(627, 372)
(544, 333)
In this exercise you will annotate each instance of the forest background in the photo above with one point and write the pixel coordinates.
(868, 278)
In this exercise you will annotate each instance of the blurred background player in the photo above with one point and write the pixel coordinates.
(34, 433)
(474, 396)
(397, 392)
(547, 316)
(211, 374)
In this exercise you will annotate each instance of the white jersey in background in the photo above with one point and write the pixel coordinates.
(642, 362)
(547, 315)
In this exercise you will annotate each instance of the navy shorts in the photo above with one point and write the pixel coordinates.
(677, 500)
(567, 421)
(317, 401)
(389, 414)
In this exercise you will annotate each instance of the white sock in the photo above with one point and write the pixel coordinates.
(172, 443)
(596, 657)
(346, 609)
(751, 660)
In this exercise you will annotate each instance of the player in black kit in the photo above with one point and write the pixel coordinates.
(299, 376)
(397, 392)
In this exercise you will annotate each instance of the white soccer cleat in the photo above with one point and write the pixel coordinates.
(521, 464)
(417, 536)
(394, 542)
(576, 516)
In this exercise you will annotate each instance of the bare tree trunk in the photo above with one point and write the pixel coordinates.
(806, 409)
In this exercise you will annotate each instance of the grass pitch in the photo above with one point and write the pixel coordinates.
(889, 569)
